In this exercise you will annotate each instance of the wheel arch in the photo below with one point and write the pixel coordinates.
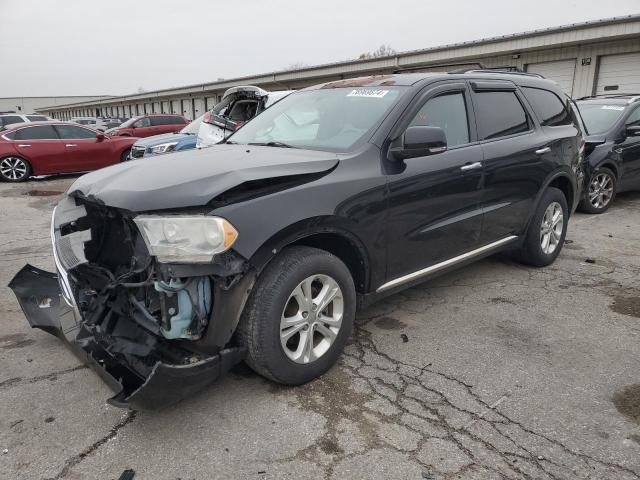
(561, 180)
(321, 234)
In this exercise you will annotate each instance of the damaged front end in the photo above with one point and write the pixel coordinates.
(156, 330)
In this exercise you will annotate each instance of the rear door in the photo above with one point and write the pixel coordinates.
(42, 148)
(517, 157)
(629, 151)
(83, 148)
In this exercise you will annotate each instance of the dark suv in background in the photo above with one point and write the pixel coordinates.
(263, 247)
(613, 148)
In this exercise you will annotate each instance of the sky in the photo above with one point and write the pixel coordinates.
(115, 47)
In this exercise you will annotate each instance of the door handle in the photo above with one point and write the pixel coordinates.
(471, 166)
(23, 145)
(543, 150)
(71, 145)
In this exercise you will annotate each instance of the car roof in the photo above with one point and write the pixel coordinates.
(14, 126)
(412, 78)
(614, 98)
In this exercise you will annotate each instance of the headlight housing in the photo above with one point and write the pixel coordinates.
(163, 148)
(186, 238)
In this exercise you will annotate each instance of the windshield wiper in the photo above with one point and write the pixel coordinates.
(272, 144)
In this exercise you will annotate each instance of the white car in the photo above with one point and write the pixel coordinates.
(238, 106)
(9, 118)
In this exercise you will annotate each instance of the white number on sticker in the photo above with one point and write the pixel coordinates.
(367, 92)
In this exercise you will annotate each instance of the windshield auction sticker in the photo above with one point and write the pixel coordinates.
(367, 92)
(612, 107)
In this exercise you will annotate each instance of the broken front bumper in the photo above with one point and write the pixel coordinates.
(40, 297)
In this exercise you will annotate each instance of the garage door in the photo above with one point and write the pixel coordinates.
(561, 72)
(619, 73)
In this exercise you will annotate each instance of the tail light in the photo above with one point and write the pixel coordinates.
(207, 117)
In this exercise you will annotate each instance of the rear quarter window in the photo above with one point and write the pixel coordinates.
(551, 111)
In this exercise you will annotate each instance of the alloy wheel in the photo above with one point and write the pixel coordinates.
(551, 228)
(600, 190)
(13, 168)
(311, 318)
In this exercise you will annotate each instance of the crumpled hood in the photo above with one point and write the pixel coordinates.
(160, 139)
(194, 177)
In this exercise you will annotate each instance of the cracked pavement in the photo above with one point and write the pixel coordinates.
(493, 371)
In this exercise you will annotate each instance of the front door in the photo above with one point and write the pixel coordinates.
(83, 148)
(434, 202)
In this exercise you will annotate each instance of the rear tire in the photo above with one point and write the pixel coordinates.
(601, 191)
(15, 169)
(292, 336)
(546, 232)
(125, 155)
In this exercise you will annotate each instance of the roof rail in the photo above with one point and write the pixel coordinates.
(504, 71)
(634, 96)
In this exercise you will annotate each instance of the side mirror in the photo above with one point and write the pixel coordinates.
(100, 136)
(633, 131)
(420, 141)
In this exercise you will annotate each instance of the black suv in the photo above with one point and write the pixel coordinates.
(612, 122)
(262, 248)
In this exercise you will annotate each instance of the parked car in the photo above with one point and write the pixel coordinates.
(42, 148)
(238, 106)
(149, 125)
(612, 147)
(96, 123)
(185, 139)
(262, 248)
(8, 119)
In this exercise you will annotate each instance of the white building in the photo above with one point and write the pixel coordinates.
(31, 104)
(584, 58)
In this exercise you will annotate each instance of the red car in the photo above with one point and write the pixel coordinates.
(149, 125)
(41, 148)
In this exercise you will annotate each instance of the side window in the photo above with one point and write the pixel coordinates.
(40, 132)
(176, 121)
(37, 118)
(10, 135)
(143, 122)
(500, 114)
(71, 131)
(9, 119)
(448, 112)
(548, 107)
(634, 119)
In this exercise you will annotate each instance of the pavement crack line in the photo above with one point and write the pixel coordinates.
(526, 461)
(70, 463)
(15, 381)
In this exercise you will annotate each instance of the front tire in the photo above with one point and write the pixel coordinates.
(600, 192)
(299, 316)
(125, 155)
(14, 169)
(546, 233)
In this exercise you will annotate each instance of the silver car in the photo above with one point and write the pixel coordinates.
(238, 106)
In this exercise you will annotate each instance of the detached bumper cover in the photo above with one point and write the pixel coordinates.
(39, 295)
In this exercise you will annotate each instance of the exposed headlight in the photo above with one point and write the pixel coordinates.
(163, 148)
(187, 238)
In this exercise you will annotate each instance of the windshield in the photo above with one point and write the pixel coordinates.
(129, 122)
(326, 119)
(193, 127)
(600, 117)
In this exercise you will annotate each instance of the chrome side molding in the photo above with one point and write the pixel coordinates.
(445, 264)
